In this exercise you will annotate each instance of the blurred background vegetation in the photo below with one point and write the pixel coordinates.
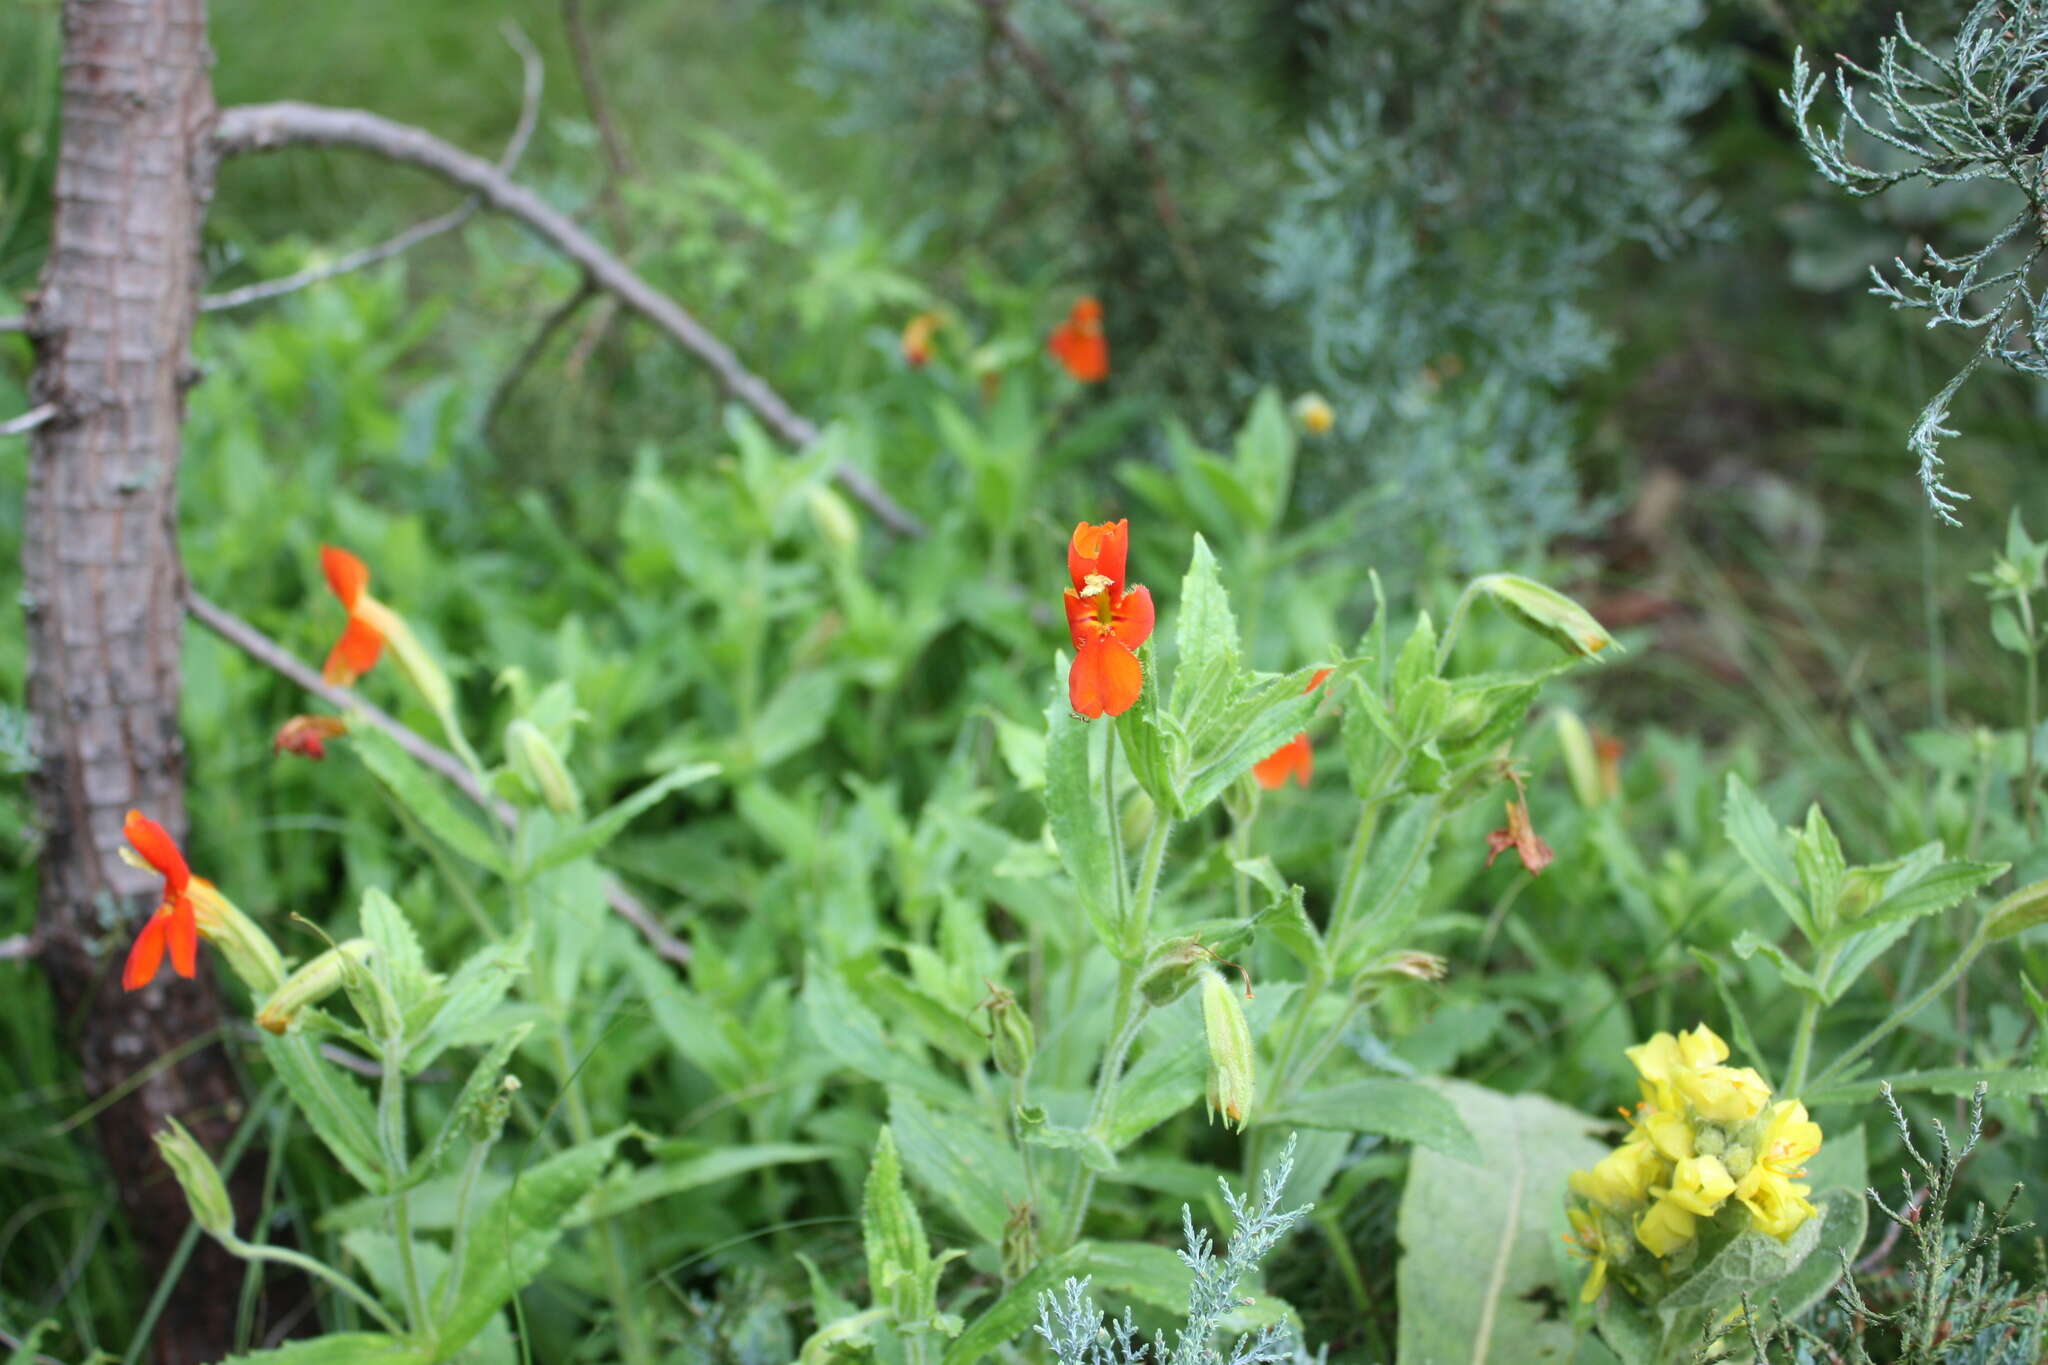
(1577, 298)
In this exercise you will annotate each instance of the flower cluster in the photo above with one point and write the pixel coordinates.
(1705, 1143)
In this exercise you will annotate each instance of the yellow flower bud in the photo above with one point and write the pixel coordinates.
(200, 1179)
(1230, 1051)
(1314, 413)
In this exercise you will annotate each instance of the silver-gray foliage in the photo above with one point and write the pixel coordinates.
(1079, 1334)
(1972, 112)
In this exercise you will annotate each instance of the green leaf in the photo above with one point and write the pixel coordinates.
(850, 1032)
(1094, 1153)
(1269, 710)
(483, 1082)
(1396, 875)
(594, 834)
(1838, 1175)
(1156, 1276)
(2018, 912)
(1285, 915)
(1417, 659)
(960, 1162)
(1914, 891)
(1015, 1312)
(338, 1348)
(1152, 740)
(477, 988)
(1750, 1264)
(2005, 628)
(1760, 841)
(334, 1105)
(510, 1241)
(1408, 1111)
(1264, 454)
(1477, 1265)
(1080, 824)
(1948, 1080)
(399, 959)
(1206, 661)
(1749, 943)
(649, 1183)
(424, 797)
(1822, 868)
(1166, 1080)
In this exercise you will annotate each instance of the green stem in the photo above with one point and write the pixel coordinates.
(391, 1139)
(1899, 1016)
(2026, 602)
(472, 1166)
(1131, 1010)
(319, 1270)
(1139, 926)
(1454, 625)
(1809, 1020)
(1112, 814)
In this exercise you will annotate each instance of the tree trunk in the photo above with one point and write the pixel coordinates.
(104, 592)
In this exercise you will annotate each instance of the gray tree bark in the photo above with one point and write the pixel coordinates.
(103, 594)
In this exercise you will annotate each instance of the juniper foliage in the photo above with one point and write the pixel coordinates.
(1974, 111)
(1957, 1304)
(1079, 1334)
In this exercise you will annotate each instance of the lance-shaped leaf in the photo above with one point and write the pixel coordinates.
(1080, 822)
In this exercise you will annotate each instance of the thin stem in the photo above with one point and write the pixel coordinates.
(1139, 926)
(391, 1138)
(472, 1166)
(2026, 602)
(1131, 1009)
(1112, 814)
(319, 1270)
(1455, 624)
(1899, 1016)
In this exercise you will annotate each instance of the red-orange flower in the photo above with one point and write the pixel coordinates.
(1078, 343)
(174, 924)
(308, 735)
(355, 653)
(1107, 622)
(1294, 758)
(917, 339)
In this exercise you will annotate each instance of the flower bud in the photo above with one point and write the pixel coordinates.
(312, 983)
(1581, 760)
(1020, 1242)
(250, 954)
(2021, 910)
(1011, 1042)
(832, 518)
(308, 735)
(410, 655)
(1547, 612)
(539, 764)
(1230, 1051)
(200, 1179)
(1313, 412)
(1172, 968)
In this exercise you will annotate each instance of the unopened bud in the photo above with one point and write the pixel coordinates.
(312, 983)
(1411, 962)
(2022, 910)
(833, 519)
(1012, 1043)
(1314, 413)
(539, 764)
(410, 656)
(1230, 1051)
(1173, 967)
(1020, 1242)
(200, 1179)
(1547, 611)
(1581, 759)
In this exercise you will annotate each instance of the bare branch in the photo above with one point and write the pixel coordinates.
(997, 12)
(28, 421)
(557, 318)
(282, 661)
(268, 127)
(618, 161)
(522, 135)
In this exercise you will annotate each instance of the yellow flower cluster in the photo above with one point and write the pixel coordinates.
(1705, 1142)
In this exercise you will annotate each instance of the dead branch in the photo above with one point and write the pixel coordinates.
(997, 12)
(283, 662)
(522, 134)
(557, 318)
(268, 127)
(28, 421)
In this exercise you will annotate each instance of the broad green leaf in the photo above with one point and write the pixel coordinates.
(1079, 820)
(959, 1162)
(511, 1239)
(1093, 1152)
(334, 1106)
(1822, 868)
(594, 834)
(1417, 659)
(1206, 660)
(1285, 916)
(423, 796)
(1166, 1080)
(1760, 840)
(1948, 1080)
(892, 1234)
(646, 1184)
(850, 1032)
(339, 1348)
(1476, 1237)
(937, 1022)
(1269, 710)
(1240, 502)
(399, 960)
(1015, 1312)
(478, 987)
(1408, 1111)
(2005, 628)
(1264, 454)
(1749, 1264)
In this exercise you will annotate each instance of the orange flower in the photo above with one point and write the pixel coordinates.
(355, 653)
(1107, 622)
(308, 735)
(917, 339)
(1078, 342)
(1294, 758)
(174, 924)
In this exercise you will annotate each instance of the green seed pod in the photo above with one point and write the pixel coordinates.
(1547, 612)
(1231, 1059)
(312, 983)
(1011, 1041)
(200, 1179)
(539, 765)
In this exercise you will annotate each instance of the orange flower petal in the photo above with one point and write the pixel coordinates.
(1102, 549)
(347, 576)
(182, 933)
(1293, 759)
(1132, 619)
(147, 954)
(354, 654)
(1105, 680)
(1078, 342)
(1317, 680)
(158, 849)
(1082, 622)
